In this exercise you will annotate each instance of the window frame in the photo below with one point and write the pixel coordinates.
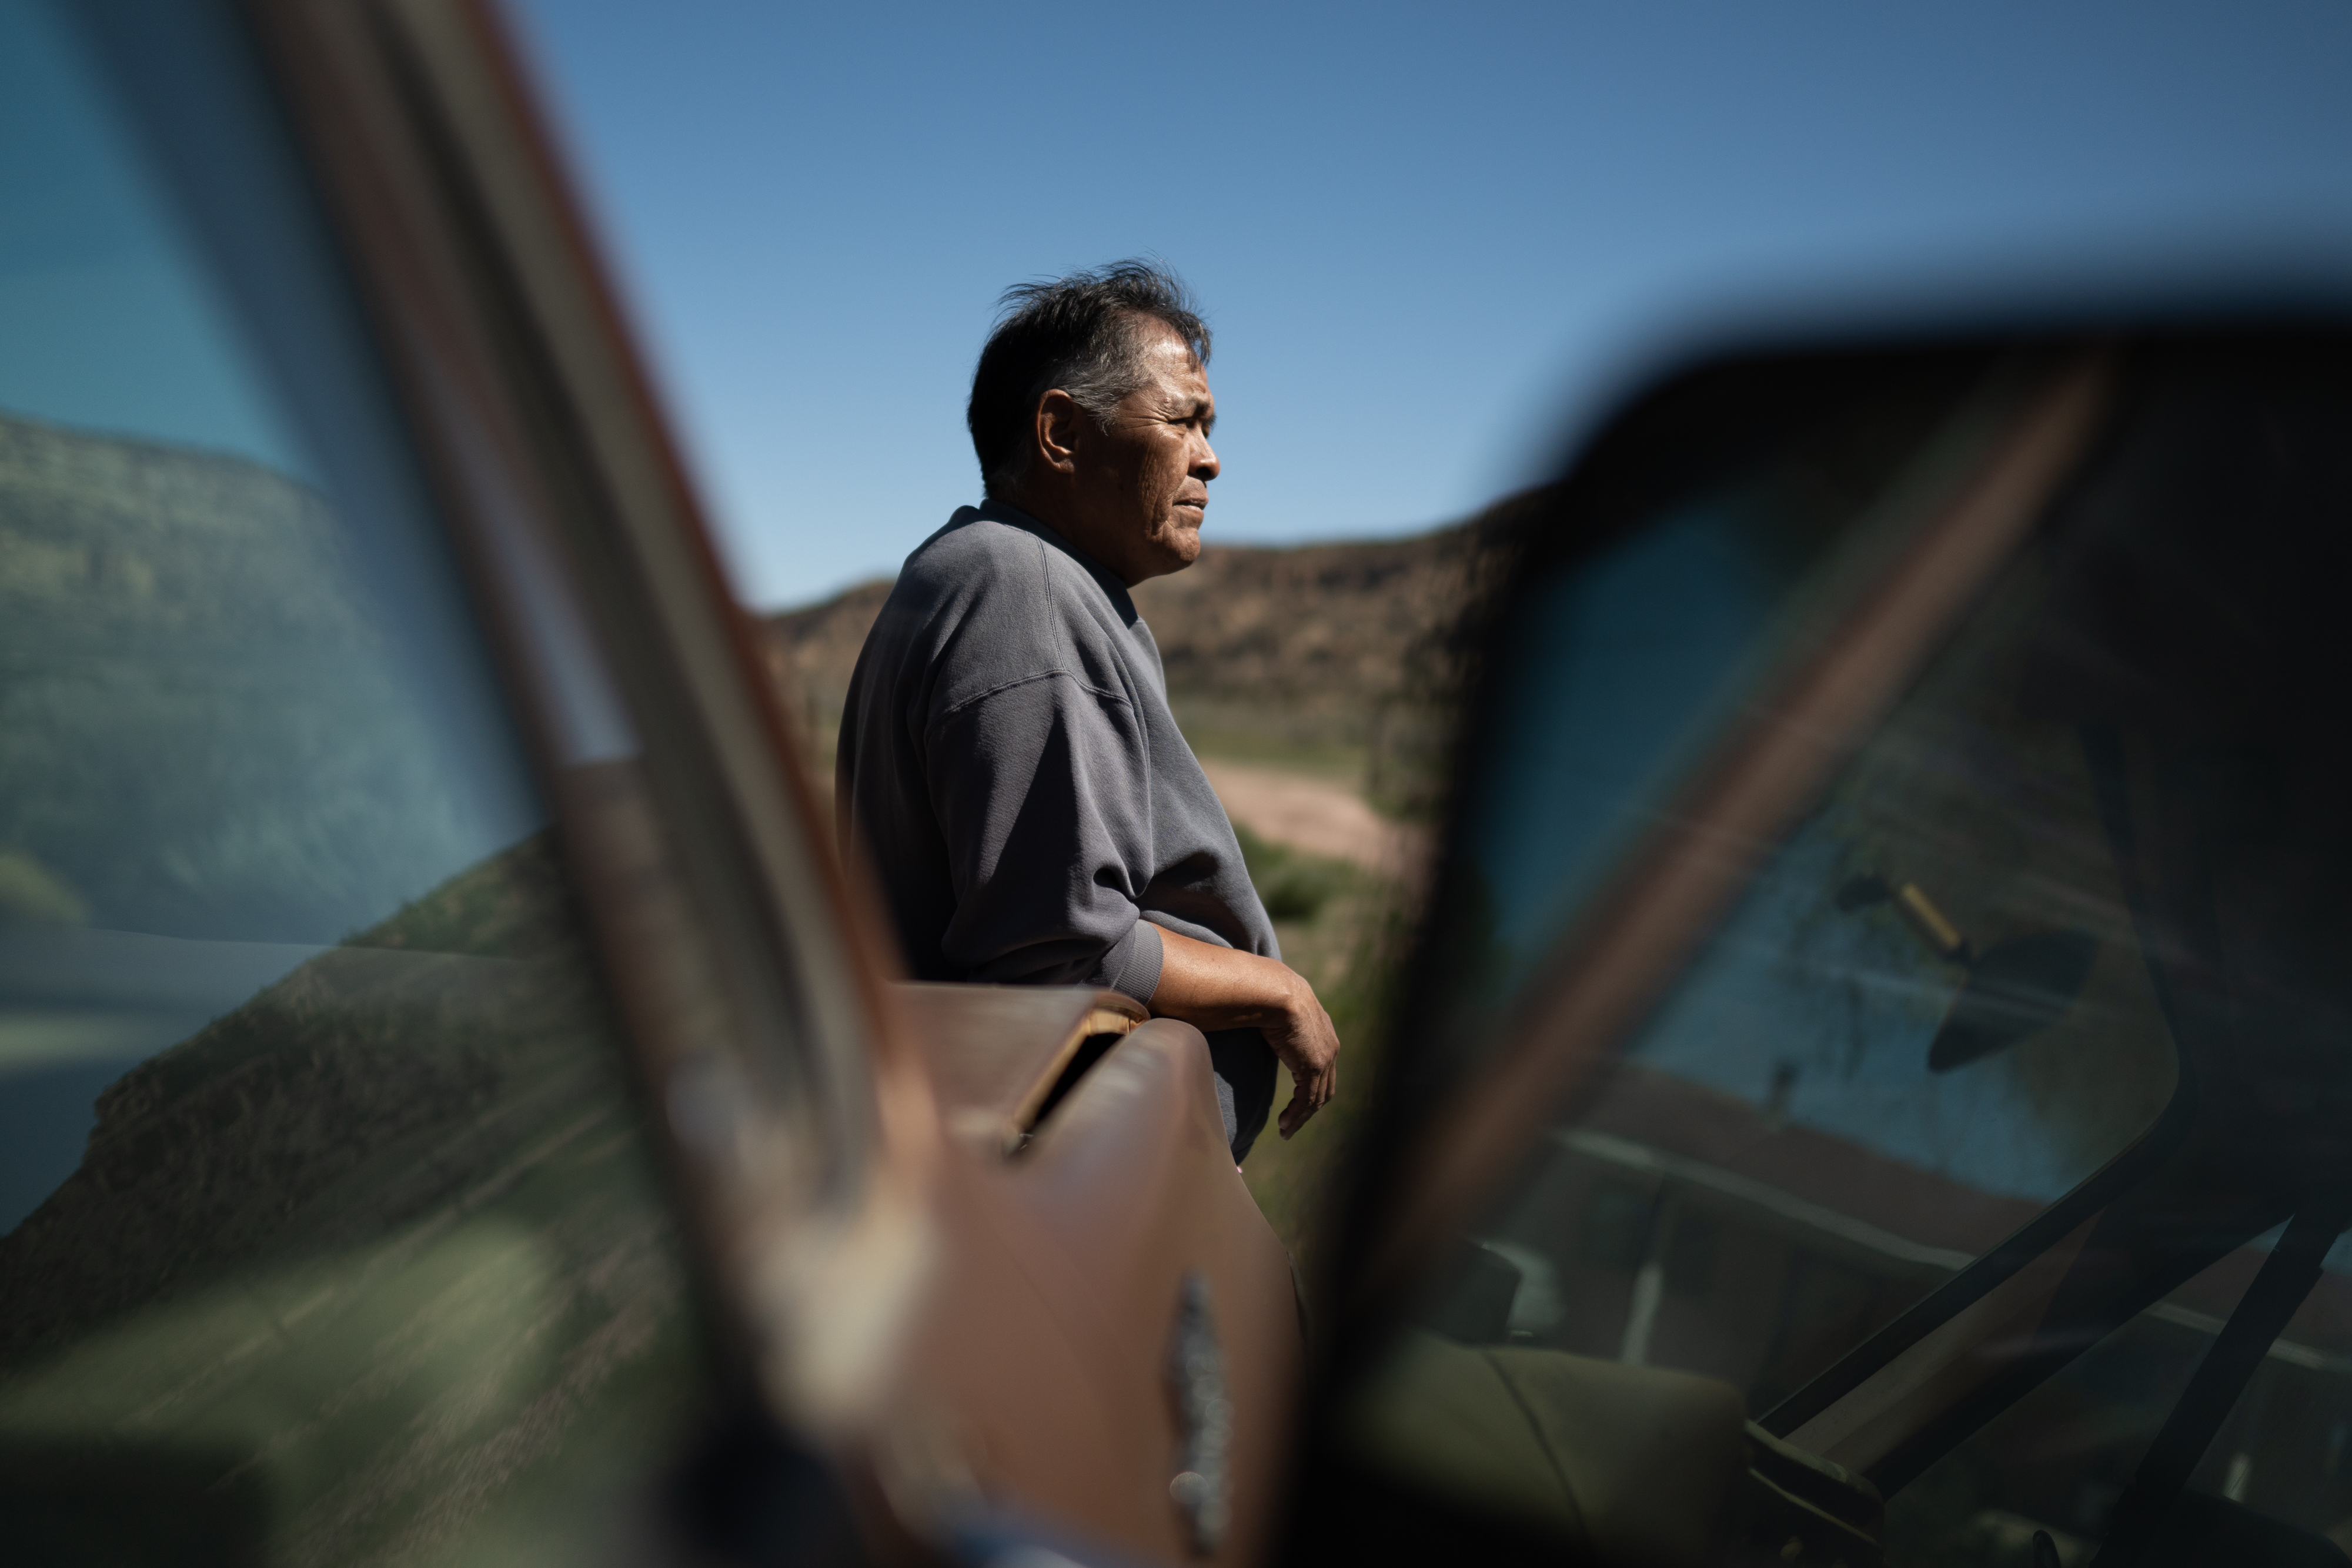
(593, 576)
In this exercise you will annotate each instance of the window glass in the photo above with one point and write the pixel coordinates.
(1925, 1020)
(1989, 1149)
(1637, 634)
(328, 1232)
(2192, 626)
(107, 321)
(1925, 1017)
(2061, 1460)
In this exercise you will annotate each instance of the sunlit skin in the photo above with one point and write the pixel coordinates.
(1211, 987)
(1132, 496)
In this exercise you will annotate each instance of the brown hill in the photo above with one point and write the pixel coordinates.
(207, 727)
(1333, 655)
(1318, 627)
(811, 651)
(1324, 630)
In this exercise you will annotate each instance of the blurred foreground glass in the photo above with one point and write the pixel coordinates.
(1795, 1054)
(2054, 946)
(328, 1232)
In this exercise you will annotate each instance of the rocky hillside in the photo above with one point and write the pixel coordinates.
(398, 1207)
(1336, 655)
(211, 724)
(1318, 629)
(812, 649)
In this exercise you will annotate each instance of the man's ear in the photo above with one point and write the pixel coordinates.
(1061, 425)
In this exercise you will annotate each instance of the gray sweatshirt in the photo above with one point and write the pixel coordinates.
(1008, 762)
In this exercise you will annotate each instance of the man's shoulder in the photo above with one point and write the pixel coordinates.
(985, 601)
(1001, 576)
(974, 555)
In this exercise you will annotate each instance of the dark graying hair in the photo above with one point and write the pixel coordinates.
(1078, 333)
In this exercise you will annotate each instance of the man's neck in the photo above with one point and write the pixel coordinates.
(1007, 510)
(1056, 519)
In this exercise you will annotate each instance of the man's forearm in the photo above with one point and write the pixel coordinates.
(1221, 987)
(1214, 987)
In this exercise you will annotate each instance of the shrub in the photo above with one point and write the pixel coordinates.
(1292, 885)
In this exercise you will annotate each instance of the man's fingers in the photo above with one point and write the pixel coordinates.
(1302, 1106)
(1309, 1093)
(1312, 1054)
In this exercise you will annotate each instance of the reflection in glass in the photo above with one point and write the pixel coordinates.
(1636, 637)
(327, 1233)
(1992, 1145)
(1780, 1110)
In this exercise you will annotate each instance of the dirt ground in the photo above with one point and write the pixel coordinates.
(1319, 816)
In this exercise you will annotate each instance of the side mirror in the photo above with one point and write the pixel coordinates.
(2052, 623)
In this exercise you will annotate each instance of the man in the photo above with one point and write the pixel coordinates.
(1007, 755)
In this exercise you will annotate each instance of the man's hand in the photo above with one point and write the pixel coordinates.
(1213, 988)
(1310, 1047)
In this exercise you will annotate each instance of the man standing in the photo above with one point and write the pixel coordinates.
(1007, 755)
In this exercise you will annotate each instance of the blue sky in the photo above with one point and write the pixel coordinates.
(1432, 240)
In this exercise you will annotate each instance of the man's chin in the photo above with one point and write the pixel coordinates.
(1176, 548)
(1160, 565)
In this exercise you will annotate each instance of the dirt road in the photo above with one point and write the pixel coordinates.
(1319, 816)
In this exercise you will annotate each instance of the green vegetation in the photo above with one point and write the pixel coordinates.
(373, 1268)
(1327, 746)
(1346, 931)
(1294, 887)
(1396, 752)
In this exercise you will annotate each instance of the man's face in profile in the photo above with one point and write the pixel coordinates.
(1143, 483)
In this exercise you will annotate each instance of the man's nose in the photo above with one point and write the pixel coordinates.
(1205, 462)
